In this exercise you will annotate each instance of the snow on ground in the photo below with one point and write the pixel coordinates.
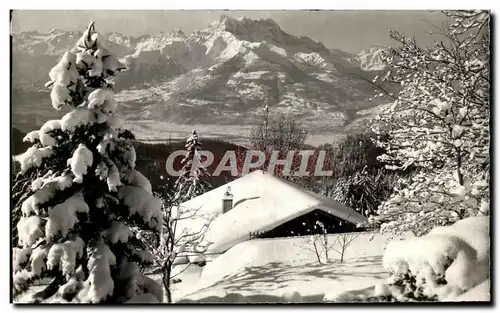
(269, 282)
(189, 274)
(480, 292)
(474, 231)
(148, 130)
(326, 77)
(286, 269)
(278, 50)
(458, 253)
(37, 286)
(266, 270)
(156, 131)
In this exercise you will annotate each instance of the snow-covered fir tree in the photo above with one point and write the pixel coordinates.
(82, 200)
(193, 177)
(439, 124)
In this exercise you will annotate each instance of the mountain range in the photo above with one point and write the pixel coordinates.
(218, 79)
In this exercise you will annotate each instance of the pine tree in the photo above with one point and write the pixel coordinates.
(81, 202)
(193, 178)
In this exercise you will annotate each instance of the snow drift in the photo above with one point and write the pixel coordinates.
(451, 263)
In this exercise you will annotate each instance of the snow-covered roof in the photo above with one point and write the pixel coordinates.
(261, 203)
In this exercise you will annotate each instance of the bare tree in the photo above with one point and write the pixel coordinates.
(278, 133)
(342, 242)
(283, 137)
(320, 242)
(177, 241)
(322, 246)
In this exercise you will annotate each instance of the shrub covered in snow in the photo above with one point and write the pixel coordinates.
(79, 200)
(440, 266)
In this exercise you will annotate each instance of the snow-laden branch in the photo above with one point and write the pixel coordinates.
(440, 125)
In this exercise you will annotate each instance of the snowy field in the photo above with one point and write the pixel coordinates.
(287, 269)
(154, 131)
(265, 270)
(271, 281)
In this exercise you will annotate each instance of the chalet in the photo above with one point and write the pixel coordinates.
(261, 205)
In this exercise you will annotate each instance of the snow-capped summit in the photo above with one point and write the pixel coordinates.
(264, 30)
(244, 25)
(53, 43)
(178, 33)
(369, 59)
(123, 40)
(221, 74)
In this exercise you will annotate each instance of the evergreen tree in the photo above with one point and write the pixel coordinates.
(364, 191)
(193, 178)
(81, 201)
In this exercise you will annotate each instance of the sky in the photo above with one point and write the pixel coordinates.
(350, 31)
